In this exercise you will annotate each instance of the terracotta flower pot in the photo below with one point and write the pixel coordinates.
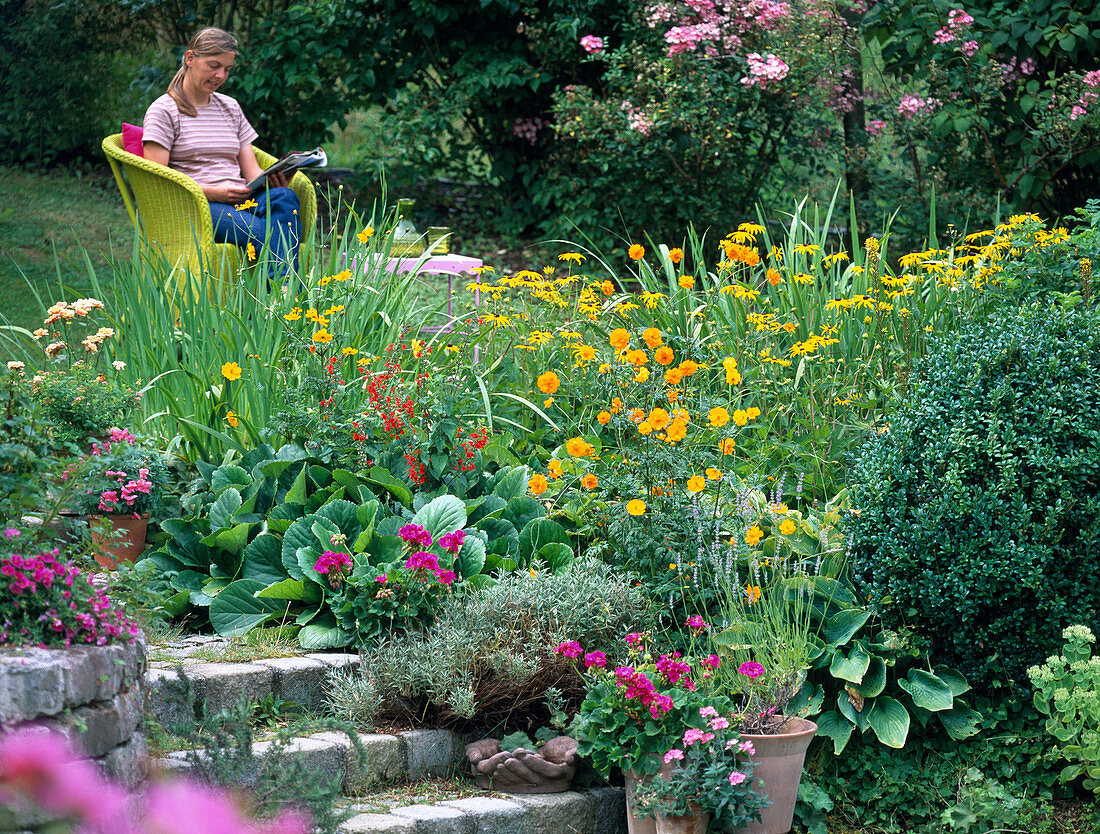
(636, 824)
(118, 539)
(779, 759)
(695, 823)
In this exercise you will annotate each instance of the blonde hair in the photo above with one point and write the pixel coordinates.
(209, 41)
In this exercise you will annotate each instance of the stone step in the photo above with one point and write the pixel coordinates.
(419, 754)
(219, 686)
(593, 811)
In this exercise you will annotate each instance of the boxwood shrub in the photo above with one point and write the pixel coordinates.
(979, 507)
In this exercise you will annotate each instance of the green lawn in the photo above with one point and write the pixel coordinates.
(47, 221)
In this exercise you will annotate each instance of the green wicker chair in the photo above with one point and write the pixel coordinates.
(173, 217)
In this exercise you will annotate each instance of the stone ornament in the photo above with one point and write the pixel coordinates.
(549, 769)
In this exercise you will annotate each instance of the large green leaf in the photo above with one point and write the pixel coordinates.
(224, 508)
(843, 626)
(960, 721)
(512, 484)
(298, 491)
(503, 538)
(229, 475)
(442, 515)
(927, 691)
(874, 680)
(300, 534)
(557, 556)
(521, 510)
(282, 516)
(323, 633)
(294, 589)
(851, 666)
(381, 476)
(890, 721)
(237, 610)
(263, 560)
(834, 726)
(489, 507)
(953, 678)
(384, 550)
(230, 539)
(848, 710)
(538, 533)
(807, 701)
(471, 558)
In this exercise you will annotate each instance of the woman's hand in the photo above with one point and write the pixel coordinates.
(226, 193)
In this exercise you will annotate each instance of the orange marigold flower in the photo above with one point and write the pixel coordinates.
(616, 405)
(603, 418)
(636, 252)
(718, 417)
(619, 338)
(607, 288)
(740, 417)
(742, 254)
(642, 375)
(753, 535)
(636, 357)
(787, 527)
(676, 255)
(636, 506)
(652, 337)
(733, 376)
(645, 428)
(231, 418)
(548, 382)
(696, 484)
(578, 447)
(663, 355)
(673, 376)
(659, 418)
(537, 484)
(554, 468)
(714, 474)
(676, 431)
(753, 413)
(589, 481)
(637, 414)
(688, 367)
(726, 445)
(686, 281)
(774, 278)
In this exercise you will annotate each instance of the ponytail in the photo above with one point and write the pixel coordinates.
(209, 41)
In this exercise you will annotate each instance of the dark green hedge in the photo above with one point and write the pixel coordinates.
(979, 509)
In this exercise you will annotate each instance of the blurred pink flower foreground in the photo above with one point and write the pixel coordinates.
(39, 769)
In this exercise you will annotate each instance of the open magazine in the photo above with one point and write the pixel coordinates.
(290, 163)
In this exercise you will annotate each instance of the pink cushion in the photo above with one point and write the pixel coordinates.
(131, 139)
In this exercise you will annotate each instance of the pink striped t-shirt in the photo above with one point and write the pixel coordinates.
(204, 147)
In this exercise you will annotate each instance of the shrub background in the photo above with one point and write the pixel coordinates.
(980, 507)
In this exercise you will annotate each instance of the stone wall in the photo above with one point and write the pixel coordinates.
(91, 694)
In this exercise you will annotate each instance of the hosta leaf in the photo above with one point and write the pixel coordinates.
(835, 726)
(890, 721)
(874, 680)
(843, 626)
(927, 691)
(852, 666)
(960, 721)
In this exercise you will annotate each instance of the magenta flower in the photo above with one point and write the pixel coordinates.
(332, 562)
(751, 669)
(711, 660)
(570, 649)
(696, 623)
(10, 533)
(452, 542)
(707, 712)
(415, 534)
(718, 723)
(746, 747)
(737, 777)
(445, 577)
(422, 559)
(595, 659)
(671, 668)
(634, 640)
(674, 755)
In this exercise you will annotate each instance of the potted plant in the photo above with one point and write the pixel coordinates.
(762, 659)
(117, 484)
(633, 715)
(706, 779)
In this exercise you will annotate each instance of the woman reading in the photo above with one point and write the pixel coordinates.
(204, 134)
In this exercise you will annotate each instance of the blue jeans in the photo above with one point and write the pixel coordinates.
(244, 226)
